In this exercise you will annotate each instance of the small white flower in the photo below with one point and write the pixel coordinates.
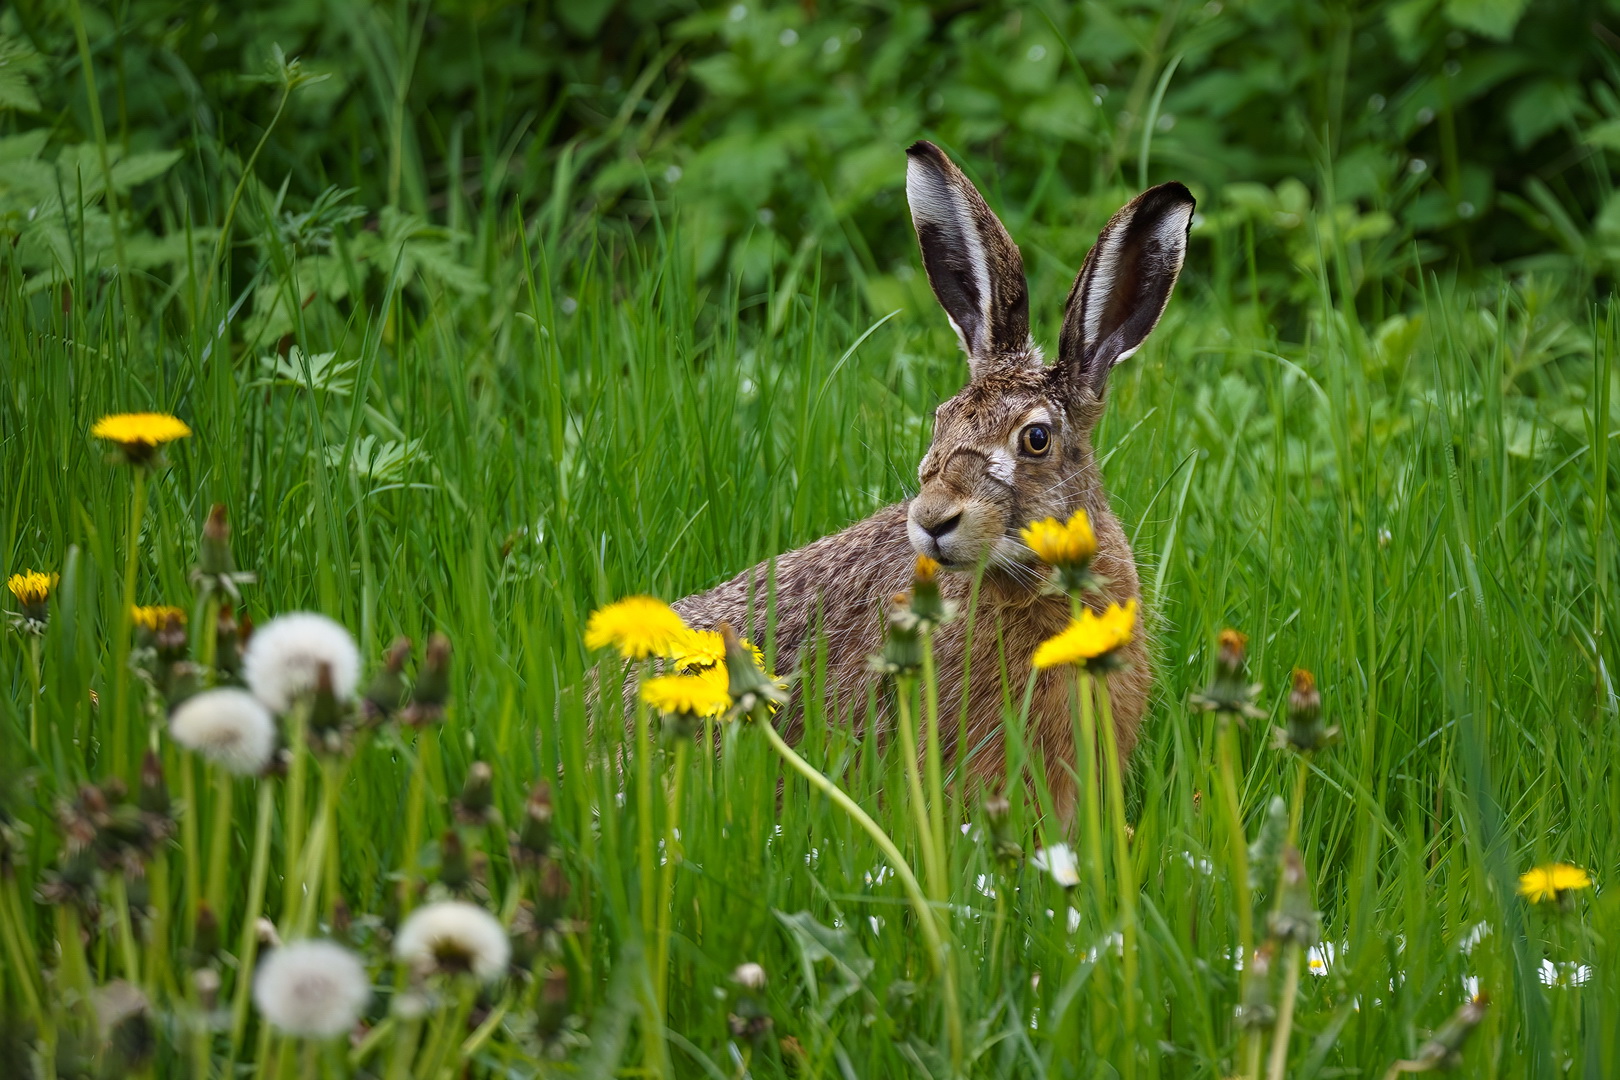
(749, 976)
(1568, 973)
(284, 657)
(227, 726)
(1319, 958)
(1058, 860)
(315, 989)
(453, 937)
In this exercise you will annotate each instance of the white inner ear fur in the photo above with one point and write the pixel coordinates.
(1169, 235)
(935, 201)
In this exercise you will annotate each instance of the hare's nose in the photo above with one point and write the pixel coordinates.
(943, 526)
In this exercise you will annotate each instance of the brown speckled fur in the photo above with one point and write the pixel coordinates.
(837, 585)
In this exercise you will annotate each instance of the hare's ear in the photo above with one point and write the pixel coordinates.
(972, 263)
(1125, 284)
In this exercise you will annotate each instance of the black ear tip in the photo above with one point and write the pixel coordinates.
(924, 148)
(1174, 192)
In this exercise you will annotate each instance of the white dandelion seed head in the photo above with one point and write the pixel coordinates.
(229, 727)
(1059, 861)
(284, 657)
(313, 989)
(453, 937)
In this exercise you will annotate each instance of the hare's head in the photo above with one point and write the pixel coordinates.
(1015, 444)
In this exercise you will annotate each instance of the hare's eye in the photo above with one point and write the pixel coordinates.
(1036, 439)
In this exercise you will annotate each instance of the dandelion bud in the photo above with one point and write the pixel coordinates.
(205, 932)
(551, 892)
(1268, 844)
(387, 690)
(477, 800)
(998, 814)
(1444, 1048)
(928, 604)
(215, 554)
(1305, 732)
(206, 982)
(432, 683)
(1230, 692)
(1256, 1010)
(902, 643)
(552, 1009)
(1295, 920)
(228, 642)
(324, 714)
(182, 681)
(754, 694)
(154, 794)
(266, 933)
(749, 1019)
(454, 872)
(534, 839)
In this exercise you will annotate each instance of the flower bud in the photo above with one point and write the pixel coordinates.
(227, 642)
(551, 892)
(902, 653)
(205, 932)
(1230, 692)
(1003, 844)
(534, 839)
(1305, 732)
(154, 793)
(754, 694)
(454, 871)
(477, 800)
(928, 605)
(215, 554)
(432, 688)
(1295, 919)
(1256, 1011)
(552, 1008)
(386, 693)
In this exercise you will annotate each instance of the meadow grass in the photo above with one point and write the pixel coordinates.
(1415, 506)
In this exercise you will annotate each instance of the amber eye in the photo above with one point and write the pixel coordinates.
(1036, 440)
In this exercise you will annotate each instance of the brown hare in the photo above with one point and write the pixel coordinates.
(1014, 445)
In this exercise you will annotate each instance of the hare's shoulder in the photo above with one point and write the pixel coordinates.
(854, 569)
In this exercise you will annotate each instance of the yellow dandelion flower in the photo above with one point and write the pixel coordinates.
(32, 588)
(1062, 544)
(698, 696)
(1089, 638)
(927, 569)
(1550, 882)
(139, 435)
(702, 649)
(157, 616)
(638, 626)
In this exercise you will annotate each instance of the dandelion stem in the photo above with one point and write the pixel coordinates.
(219, 850)
(938, 951)
(34, 685)
(1238, 850)
(293, 832)
(126, 625)
(17, 956)
(129, 954)
(647, 860)
(936, 775)
(1124, 873)
(1085, 791)
(666, 885)
(258, 875)
(190, 840)
(1285, 1015)
(907, 731)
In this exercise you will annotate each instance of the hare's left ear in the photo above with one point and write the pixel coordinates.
(1125, 284)
(972, 263)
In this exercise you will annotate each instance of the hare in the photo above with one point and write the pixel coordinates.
(1014, 445)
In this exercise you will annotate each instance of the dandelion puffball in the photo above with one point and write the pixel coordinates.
(284, 657)
(453, 937)
(315, 989)
(229, 727)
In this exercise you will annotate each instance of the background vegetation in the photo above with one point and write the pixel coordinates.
(484, 315)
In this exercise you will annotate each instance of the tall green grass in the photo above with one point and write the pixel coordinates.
(1411, 498)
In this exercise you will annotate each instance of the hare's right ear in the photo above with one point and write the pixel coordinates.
(1124, 285)
(972, 263)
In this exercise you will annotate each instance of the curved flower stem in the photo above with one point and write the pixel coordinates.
(666, 884)
(293, 833)
(126, 625)
(907, 730)
(938, 951)
(1124, 872)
